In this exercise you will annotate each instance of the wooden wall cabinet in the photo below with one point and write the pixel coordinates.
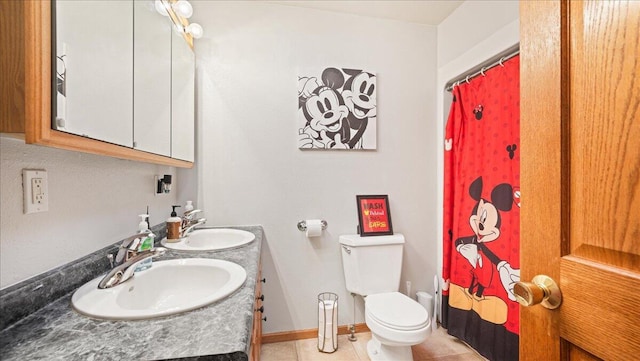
(25, 39)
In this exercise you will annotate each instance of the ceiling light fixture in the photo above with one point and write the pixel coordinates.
(182, 8)
(195, 30)
(161, 7)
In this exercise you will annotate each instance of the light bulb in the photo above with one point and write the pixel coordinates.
(179, 29)
(183, 8)
(195, 30)
(161, 8)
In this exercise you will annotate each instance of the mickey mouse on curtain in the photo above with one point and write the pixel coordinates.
(485, 222)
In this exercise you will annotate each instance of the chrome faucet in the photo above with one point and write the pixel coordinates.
(123, 266)
(188, 215)
(129, 247)
(188, 227)
(188, 223)
(125, 270)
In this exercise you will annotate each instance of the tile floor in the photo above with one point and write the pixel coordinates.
(438, 347)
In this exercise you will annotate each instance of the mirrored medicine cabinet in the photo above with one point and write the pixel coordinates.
(123, 76)
(106, 77)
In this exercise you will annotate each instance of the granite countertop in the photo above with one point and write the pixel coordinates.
(220, 331)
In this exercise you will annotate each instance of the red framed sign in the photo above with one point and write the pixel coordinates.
(374, 215)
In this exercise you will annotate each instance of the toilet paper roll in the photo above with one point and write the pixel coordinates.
(426, 300)
(314, 227)
(327, 325)
(327, 319)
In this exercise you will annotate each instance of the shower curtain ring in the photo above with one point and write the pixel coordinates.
(501, 60)
(482, 71)
(467, 79)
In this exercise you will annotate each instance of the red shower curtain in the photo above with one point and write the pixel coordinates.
(482, 212)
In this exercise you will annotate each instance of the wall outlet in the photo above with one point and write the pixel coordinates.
(35, 190)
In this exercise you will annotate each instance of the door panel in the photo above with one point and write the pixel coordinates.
(578, 354)
(596, 306)
(580, 219)
(605, 127)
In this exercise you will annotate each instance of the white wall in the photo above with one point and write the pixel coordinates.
(93, 202)
(473, 33)
(251, 171)
(471, 25)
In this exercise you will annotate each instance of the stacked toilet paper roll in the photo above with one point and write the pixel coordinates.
(327, 325)
(314, 227)
(429, 303)
(426, 300)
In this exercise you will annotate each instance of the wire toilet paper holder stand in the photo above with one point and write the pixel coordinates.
(327, 310)
(302, 225)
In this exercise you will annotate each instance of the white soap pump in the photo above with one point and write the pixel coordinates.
(143, 225)
(188, 207)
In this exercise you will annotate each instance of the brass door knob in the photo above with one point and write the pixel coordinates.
(542, 289)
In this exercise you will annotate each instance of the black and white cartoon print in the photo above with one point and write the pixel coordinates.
(338, 110)
(359, 94)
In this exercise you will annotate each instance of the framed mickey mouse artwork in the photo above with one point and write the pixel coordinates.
(337, 109)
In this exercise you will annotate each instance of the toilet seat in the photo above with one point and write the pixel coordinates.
(396, 311)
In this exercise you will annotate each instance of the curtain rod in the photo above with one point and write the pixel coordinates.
(499, 59)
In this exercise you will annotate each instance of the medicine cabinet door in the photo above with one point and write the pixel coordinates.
(182, 99)
(94, 96)
(151, 80)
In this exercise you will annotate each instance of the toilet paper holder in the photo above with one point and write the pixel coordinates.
(302, 225)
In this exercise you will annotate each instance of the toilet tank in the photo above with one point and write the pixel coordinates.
(372, 264)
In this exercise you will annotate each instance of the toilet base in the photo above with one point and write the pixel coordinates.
(381, 352)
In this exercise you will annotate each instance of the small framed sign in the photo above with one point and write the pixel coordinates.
(374, 215)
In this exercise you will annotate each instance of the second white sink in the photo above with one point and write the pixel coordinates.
(167, 288)
(211, 239)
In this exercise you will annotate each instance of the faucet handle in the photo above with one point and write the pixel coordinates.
(189, 214)
(127, 244)
(110, 258)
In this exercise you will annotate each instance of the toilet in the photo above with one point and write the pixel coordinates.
(372, 267)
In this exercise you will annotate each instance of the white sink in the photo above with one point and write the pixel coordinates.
(167, 288)
(210, 239)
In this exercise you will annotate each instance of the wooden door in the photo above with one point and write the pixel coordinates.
(580, 177)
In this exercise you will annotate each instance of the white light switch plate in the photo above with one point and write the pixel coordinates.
(35, 190)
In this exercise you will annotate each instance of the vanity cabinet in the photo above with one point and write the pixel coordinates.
(258, 310)
(27, 104)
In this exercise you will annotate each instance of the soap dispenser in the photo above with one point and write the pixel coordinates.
(173, 226)
(188, 207)
(145, 244)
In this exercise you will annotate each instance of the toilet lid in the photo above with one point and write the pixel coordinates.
(396, 311)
